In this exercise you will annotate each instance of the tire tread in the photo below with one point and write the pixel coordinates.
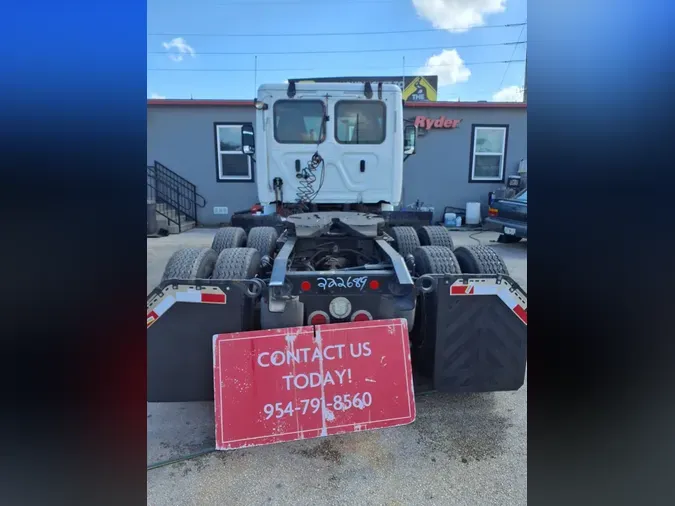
(228, 237)
(190, 263)
(237, 263)
(436, 260)
(406, 240)
(480, 260)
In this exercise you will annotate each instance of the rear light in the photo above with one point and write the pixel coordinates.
(374, 284)
(305, 286)
(361, 316)
(492, 211)
(318, 318)
(340, 308)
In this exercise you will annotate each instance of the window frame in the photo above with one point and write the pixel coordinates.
(384, 121)
(220, 177)
(274, 120)
(472, 157)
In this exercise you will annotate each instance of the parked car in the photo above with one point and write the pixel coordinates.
(509, 216)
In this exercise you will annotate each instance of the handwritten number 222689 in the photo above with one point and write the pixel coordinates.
(338, 282)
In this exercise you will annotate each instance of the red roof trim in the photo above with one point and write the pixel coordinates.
(474, 105)
(249, 103)
(172, 101)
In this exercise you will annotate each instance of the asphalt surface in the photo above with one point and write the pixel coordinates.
(461, 450)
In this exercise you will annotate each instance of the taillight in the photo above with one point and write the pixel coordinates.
(305, 286)
(318, 318)
(361, 316)
(492, 211)
(374, 284)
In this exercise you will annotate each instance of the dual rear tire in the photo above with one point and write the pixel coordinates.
(233, 255)
(434, 252)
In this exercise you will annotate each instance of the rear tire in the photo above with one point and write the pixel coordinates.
(436, 236)
(237, 263)
(435, 260)
(228, 237)
(480, 260)
(405, 240)
(264, 239)
(190, 264)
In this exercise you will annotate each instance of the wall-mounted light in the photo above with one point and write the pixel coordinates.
(261, 106)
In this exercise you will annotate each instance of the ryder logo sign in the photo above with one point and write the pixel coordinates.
(442, 122)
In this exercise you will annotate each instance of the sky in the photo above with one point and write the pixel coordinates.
(191, 44)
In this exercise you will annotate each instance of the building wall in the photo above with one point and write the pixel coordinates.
(438, 173)
(182, 138)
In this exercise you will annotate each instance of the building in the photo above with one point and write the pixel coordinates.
(464, 151)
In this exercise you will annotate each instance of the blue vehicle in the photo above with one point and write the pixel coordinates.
(509, 216)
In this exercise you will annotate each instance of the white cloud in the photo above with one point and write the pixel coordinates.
(155, 95)
(509, 94)
(457, 15)
(448, 66)
(181, 46)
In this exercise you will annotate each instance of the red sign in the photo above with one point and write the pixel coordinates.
(429, 123)
(307, 382)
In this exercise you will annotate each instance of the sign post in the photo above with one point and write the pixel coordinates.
(281, 385)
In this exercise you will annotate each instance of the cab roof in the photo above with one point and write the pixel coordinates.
(300, 86)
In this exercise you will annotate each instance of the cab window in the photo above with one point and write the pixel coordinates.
(360, 122)
(299, 122)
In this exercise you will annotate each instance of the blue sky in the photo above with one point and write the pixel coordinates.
(178, 66)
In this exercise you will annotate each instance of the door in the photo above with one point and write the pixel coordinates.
(352, 137)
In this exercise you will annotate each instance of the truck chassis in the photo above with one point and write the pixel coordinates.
(467, 318)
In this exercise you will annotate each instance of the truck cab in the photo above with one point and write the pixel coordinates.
(329, 143)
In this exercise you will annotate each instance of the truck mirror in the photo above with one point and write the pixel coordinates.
(409, 139)
(247, 140)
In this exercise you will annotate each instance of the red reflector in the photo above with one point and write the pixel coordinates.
(318, 319)
(305, 286)
(374, 284)
(218, 298)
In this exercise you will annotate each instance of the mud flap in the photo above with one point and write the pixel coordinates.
(182, 319)
(476, 337)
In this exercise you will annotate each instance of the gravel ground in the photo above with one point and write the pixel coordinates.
(462, 449)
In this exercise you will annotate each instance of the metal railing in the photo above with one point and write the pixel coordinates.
(178, 195)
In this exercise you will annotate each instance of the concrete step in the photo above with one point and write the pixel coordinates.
(169, 211)
(185, 226)
(172, 227)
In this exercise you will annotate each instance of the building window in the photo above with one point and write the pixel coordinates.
(299, 121)
(488, 152)
(232, 164)
(360, 122)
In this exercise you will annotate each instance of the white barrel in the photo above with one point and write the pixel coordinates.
(472, 213)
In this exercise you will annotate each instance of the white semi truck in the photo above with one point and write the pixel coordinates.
(329, 162)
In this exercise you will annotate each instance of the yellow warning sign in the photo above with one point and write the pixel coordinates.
(419, 90)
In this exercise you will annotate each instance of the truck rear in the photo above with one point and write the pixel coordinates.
(330, 322)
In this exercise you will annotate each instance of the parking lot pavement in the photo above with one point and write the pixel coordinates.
(462, 449)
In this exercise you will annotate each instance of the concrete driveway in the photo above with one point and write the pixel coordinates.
(462, 449)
